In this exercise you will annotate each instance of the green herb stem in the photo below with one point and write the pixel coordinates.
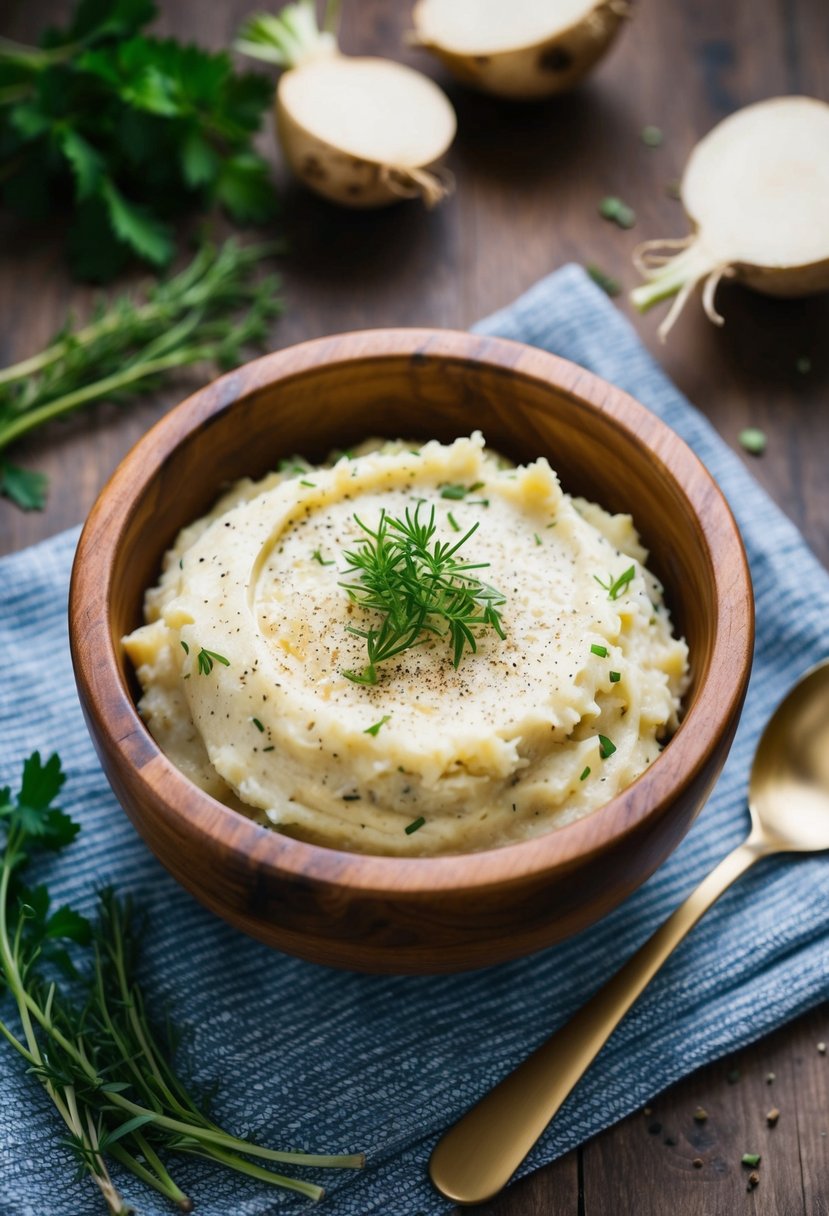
(234, 1162)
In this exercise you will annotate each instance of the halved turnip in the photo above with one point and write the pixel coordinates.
(756, 189)
(360, 131)
(521, 49)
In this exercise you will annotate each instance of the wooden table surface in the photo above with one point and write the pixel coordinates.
(529, 179)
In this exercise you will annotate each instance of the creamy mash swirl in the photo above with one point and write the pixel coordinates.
(529, 733)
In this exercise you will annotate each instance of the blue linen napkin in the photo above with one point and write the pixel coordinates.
(329, 1061)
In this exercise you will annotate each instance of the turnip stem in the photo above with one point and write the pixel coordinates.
(692, 264)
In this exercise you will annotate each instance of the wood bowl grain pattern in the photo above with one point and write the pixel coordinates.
(423, 914)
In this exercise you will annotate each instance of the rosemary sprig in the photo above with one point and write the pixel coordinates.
(420, 586)
(211, 311)
(90, 1039)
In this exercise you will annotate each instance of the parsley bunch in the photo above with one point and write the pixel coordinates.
(130, 132)
(420, 586)
(84, 1027)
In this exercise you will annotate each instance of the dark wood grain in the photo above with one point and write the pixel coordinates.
(529, 181)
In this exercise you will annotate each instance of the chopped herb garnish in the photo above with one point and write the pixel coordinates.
(375, 729)
(753, 440)
(608, 284)
(652, 137)
(615, 677)
(585, 773)
(453, 523)
(257, 724)
(185, 647)
(294, 464)
(478, 502)
(420, 586)
(316, 556)
(311, 484)
(611, 208)
(459, 492)
(206, 659)
(268, 749)
(601, 651)
(537, 538)
(606, 747)
(750, 1159)
(351, 797)
(614, 588)
(415, 825)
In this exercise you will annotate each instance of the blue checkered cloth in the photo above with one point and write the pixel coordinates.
(329, 1061)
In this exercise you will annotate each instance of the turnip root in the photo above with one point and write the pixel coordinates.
(756, 189)
(363, 132)
(522, 49)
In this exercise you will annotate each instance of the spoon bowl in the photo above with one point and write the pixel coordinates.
(788, 793)
(789, 804)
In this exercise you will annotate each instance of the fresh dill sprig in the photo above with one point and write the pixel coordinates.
(420, 586)
(213, 310)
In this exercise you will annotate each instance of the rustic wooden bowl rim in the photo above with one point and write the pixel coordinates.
(651, 794)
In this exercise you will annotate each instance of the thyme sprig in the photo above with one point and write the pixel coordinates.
(213, 310)
(85, 1030)
(420, 586)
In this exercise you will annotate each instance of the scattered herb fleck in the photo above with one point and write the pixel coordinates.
(750, 1159)
(311, 484)
(613, 209)
(268, 749)
(601, 651)
(258, 725)
(753, 440)
(458, 492)
(351, 797)
(673, 189)
(185, 647)
(375, 729)
(585, 773)
(293, 464)
(615, 677)
(206, 659)
(608, 284)
(606, 747)
(453, 523)
(537, 538)
(614, 588)
(415, 825)
(316, 556)
(652, 137)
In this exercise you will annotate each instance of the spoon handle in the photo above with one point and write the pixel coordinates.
(479, 1154)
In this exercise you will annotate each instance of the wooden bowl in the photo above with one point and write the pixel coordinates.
(421, 914)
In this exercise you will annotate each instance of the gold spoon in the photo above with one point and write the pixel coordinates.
(789, 804)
